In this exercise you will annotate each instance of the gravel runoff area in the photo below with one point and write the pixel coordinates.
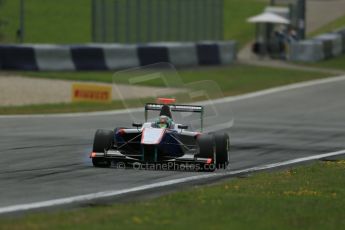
(17, 91)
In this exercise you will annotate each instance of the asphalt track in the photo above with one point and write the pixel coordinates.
(46, 157)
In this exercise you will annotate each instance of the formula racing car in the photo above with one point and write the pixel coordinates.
(162, 141)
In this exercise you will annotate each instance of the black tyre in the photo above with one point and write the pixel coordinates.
(102, 142)
(206, 149)
(222, 143)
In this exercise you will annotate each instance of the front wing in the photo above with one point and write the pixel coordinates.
(117, 156)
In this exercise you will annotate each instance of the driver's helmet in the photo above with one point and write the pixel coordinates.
(163, 122)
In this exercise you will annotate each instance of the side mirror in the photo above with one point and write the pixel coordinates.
(182, 126)
(137, 125)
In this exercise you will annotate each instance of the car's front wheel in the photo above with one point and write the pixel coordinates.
(206, 149)
(102, 142)
(222, 142)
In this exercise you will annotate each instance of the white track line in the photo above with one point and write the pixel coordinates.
(276, 90)
(92, 196)
(217, 101)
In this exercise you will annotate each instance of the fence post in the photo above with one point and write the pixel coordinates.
(196, 21)
(103, 21)
(138, 21)
(301, 19)
(178, 20)
(93, 20)
(168, 27)
(149, 21)
(221, 20)
(21, 31)
(128, 21)
(158, 20)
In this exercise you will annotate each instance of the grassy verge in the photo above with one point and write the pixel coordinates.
(337, 63)
(309, 197)
(233, 80)
(61, 108)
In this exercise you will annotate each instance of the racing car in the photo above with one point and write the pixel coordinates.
(162, 141)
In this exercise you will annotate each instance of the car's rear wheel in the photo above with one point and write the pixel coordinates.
(206, 149)
(222, 143)
(102, 142)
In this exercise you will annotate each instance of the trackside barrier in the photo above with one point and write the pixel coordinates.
(341, 32)
(322, 47)
(152, 54)
(120, 56)
(18, 58)
(88, 58)
(333, 42)
(114, 56)
(228, 52)
(53, 57)
(180, 54)
(307, 51)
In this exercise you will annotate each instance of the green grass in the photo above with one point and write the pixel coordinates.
(61, 108)
(310, 197)
(235, 79)
(236, 13)
(239, 79)
(334, 25)
(48, 21)
(67, 21)
(337, 63)
(232, 80)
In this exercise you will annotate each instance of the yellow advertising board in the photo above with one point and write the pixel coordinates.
(91, 93)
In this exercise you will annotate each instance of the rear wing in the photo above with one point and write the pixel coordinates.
(176, 108)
